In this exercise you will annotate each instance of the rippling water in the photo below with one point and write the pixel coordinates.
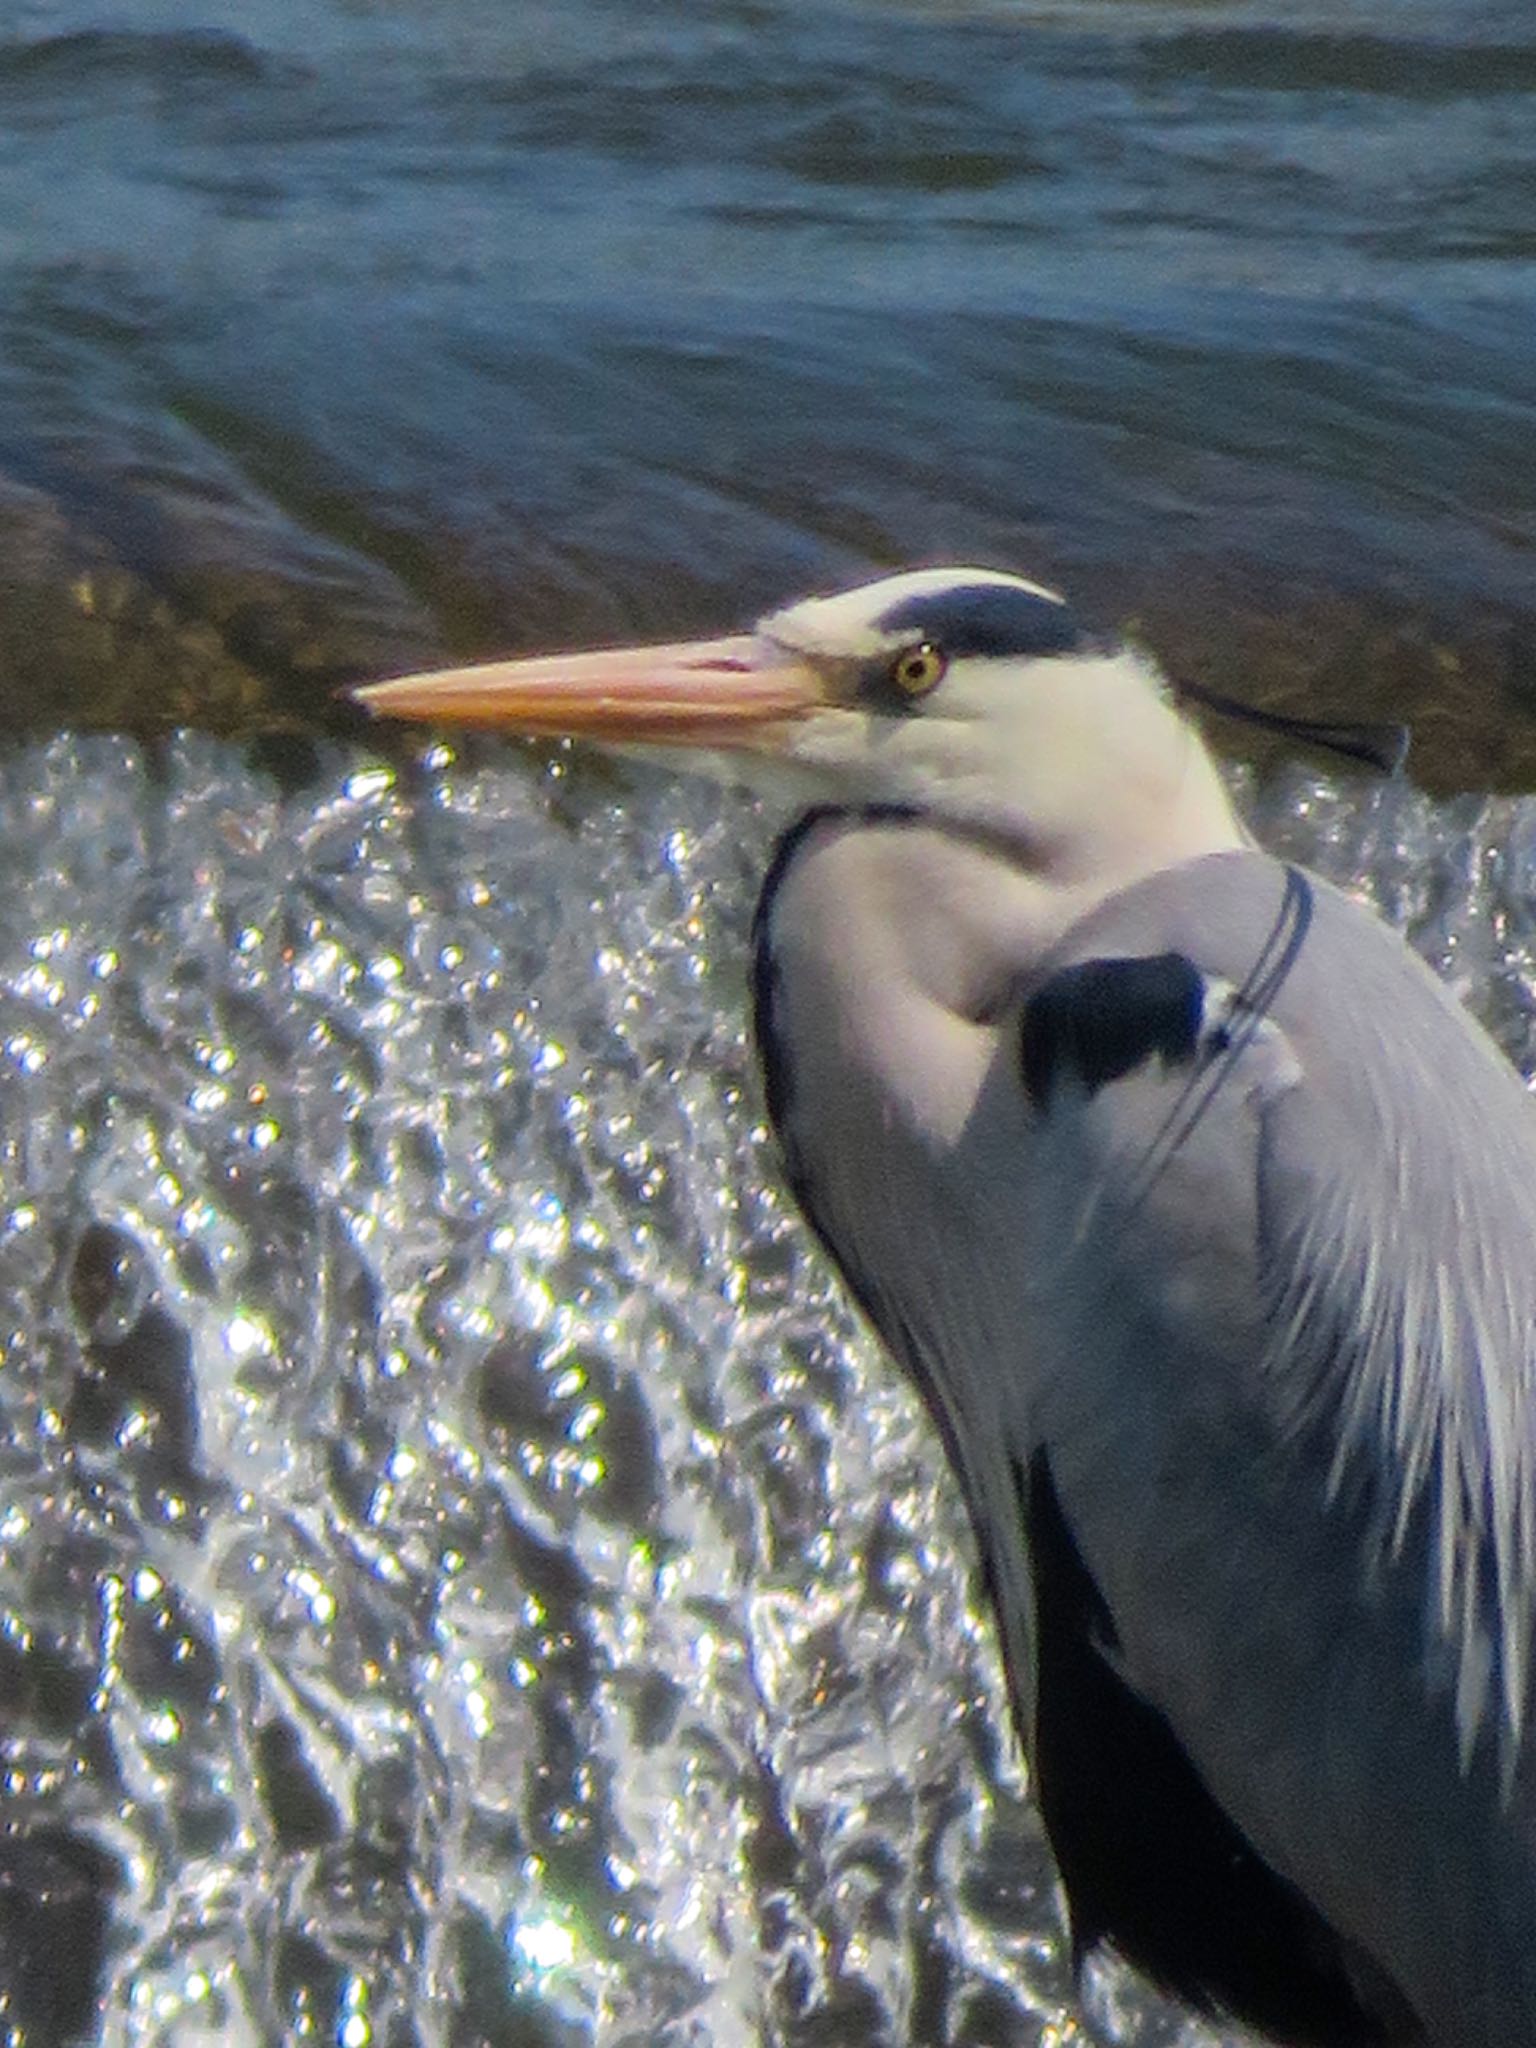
(463, 1575)
(329, 334)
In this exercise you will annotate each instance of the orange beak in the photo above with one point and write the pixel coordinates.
(738, 692)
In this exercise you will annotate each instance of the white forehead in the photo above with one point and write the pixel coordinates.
(848, 624)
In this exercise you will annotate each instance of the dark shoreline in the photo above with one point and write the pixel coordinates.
(89, 643)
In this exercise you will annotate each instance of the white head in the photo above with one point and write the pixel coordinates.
(968, 694)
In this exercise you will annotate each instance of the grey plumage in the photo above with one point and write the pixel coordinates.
(1275, 1328)
(1207, 1223)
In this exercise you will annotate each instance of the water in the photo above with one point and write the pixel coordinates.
(331, 335)
(461, 1563)
(464, 1577)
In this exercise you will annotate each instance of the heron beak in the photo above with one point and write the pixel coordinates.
(743, 692)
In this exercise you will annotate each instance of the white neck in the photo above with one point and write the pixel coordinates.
(1030, 816)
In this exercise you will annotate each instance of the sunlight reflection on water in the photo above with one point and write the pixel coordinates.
(463, 1567)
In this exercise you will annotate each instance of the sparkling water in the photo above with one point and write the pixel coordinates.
(465, 1575)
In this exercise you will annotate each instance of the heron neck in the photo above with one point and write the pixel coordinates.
(891, 944)
(1105, 785)
(959, 914)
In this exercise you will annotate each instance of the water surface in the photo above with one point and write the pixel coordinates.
(333, 336)
(464, 1574)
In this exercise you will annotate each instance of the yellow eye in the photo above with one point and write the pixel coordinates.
(916, 670)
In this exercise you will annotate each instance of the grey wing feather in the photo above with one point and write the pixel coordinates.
(1340, 1184)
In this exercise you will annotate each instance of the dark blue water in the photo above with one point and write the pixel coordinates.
(330, 334)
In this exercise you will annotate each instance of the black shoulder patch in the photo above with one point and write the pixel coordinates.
(989, 618)
(1102, 1018)
(1150, 1862)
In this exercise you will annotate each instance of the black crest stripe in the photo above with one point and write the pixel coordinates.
(988, 618)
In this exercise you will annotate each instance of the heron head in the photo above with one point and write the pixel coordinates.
(966, 692)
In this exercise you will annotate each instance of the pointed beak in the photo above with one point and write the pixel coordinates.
(740, 692)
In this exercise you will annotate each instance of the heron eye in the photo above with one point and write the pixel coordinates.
(916, 670)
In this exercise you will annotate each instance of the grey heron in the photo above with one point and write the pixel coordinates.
(1205, 1219)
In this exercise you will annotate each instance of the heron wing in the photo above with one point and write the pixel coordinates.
(1150, 1858)
(1298, 1161)
(1275, 1225)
